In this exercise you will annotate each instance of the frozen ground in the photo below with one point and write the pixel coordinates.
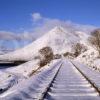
(90, 58)
(13, 75)
(25, 85)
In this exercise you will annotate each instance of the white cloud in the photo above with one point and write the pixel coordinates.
(36, 16)
(13, 40)
(4, 35)
(48, 24)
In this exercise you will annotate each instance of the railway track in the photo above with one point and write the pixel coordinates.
(64, 80)
(71, 83)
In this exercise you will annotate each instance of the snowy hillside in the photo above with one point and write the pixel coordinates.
(59, 39)
(90, 58)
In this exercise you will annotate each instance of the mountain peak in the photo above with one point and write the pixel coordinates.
(58, 29)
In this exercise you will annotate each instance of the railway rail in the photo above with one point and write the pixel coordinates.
(71, 83)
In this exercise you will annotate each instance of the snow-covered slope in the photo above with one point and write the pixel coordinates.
(59, 39)
(90, 58)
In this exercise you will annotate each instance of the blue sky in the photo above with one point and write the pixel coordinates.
(15, 15)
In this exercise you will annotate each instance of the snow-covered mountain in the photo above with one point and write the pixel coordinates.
(59, 39)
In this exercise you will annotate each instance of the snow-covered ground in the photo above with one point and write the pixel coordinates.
(14, 75)
(90, 58)
(10, 86)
